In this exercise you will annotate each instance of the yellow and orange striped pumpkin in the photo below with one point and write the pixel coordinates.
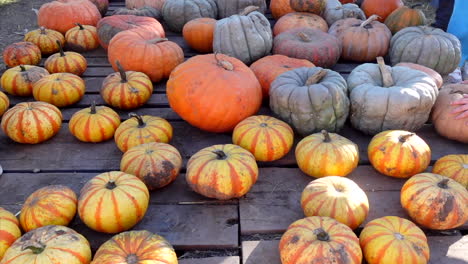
(59, 89)
(32, 122)
(82, 38)
(222, 171)
(398, 153)
(435, 201)
(69, 61)
(45, 39)
(19, 80)
(267, 138)
(4, 103)
(113, 202)
(138, 130)
(336, 197)
(9, 230)
(94, 124)
(326, 154)
(156, 164)
(392, 239)
(453, 166)
(318, 239)
(21, 53)
(50, 205)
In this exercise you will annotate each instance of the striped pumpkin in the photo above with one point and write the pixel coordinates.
(82, 38)
(69, 61)
(403, 17)
(59, 89)
(267, 138)
(336, 197)
(435, 201)
(21, 53)
(50, 205)
(327, 154)
(398, 153)
(45, 39)
(126, 89)
(319, 239)
(392, 239)
(222, 172)
(122, 248)
(32, 122)
(9, 230)
(156, 164)
(142, 129)
(19, 80)
(94, 124)
(454, 167)
(113, 202)
(4, 103)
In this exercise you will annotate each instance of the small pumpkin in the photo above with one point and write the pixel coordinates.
(142, 129)
(454, 167)
(158, 4)
(433, 74)
(9, 230)
(198, 33)
(4, 103)
(21, 53)
(156, 164)
(82, 38)
(59, 89)
(309, 6)
(102, 6)
(50, 205)
(45, 39)
(66, 62)
(177, 13)
(227, 8)
(94, 124)
(280, 8)
(381, 8)
(336, 11)
(146, 11)
(19, 80)
(113, 202)
(403, 17)
(298, 20)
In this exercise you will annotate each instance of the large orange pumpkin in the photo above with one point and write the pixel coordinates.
(4, 103)
(113, 202)
(309, 6)
(280, 8)
(9, 230)
(21, 53)
(69, 61)
(19, 80)
(404, 17)
(45, 39)
(50, 205)
(382, 8)
(297, 20)
(454, 167)
(82, 38)
(392, 239)
(198, 33)
(59, 89)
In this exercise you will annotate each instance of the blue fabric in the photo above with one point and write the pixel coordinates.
(458, 26)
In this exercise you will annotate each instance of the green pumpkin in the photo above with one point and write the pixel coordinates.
(176, 13)
(147, 11)
(227, 8)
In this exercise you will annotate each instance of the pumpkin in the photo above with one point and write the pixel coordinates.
(32, 122)
(146, 11)
(121, 249)
(198, 34)
(19, 80)
(266, 137)
(222, 92)
(68, 62)
(109, 26)
(362, 40)
(113, 202)
(246, 36)
(433, 74)
(280, 8)
(381, 8)
(398, 153)
(298, 20)
(63, 14)
(318, 47)
(326, 154)
(45, 39)
(268, 68)
(47, 245)
(82, 38)
(443, 119)
(310, 99)
(435, 201)
(160, 55)
(454, 167)
(21, 53)
(403, 17)
(4, 103)
(156, 164)
(59, 89)
(158, 4)
(94, 124)
(142, 129)
(309, 6)
(319, 239)
(389, 98)
(422, 45)
(392, 239)
(126, 89)
(50, 205)
(347, 1)
(336, 11)
(102, 6)
(227, 8)
(9, 230)
(222, 172)
(177, 13)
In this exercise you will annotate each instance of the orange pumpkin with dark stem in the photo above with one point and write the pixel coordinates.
(280, 8)
(4, 103)
(381, 8)
(9, 230)
(20, 79)
(198, 33)
(69, 61)
(309, 6)
(21, 53)
(298, 20)
(45, 39)
(454, 167)
(404, 17)
(59, 89)
(433, 74)
(82, 38)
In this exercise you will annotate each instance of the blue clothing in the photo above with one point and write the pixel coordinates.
(458, 26)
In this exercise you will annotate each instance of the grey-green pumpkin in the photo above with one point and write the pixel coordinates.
(310, 99)
(176, 13)
(147, 11)
(335, 11)
(227, 8)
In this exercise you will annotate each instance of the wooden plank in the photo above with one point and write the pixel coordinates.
(213, 260)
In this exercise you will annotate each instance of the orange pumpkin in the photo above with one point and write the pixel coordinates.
(404, 17)
(50, 205)
(19, 80)
(320, 240)
(9, 230)
(297, 20)
(381, 8)
(82, 38)
(32, 122)
(309, 6)
(21, 53)
(392, 239)
(94, 124)
(59, 89)
(45, 39)
(222, 172)
(198, 33)
(433, 74)
(454, 167)
(4, 103)
(113, 202)
(280, 8)
(398, 153)
(142, 129)
(69, 61)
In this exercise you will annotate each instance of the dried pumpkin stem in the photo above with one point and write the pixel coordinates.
(141, 123)
(316, 77)
(132, 259)
(36, 249)
(304, 37)
(157, 40)
(399, 236)
(220, 154)
(225, 64)
(123, 74)
(248, 10)
(93, 108)
(326, 136)
(369, 20)
(81, 26)
(22, 67)
(111, 185)
(386, 75)
(43, 30)
(443, 184)
(62, 54)
(405, 138)
(322, 235)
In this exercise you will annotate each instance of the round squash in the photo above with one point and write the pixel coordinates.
(45, 39)
(4, 103)
(19, 80)
(32, 122)
(21, 53)
(433, 74)
(82, 38)
(50, 205)
(177, 13)
(158, 4)
(146, 11)
(309, 6)
(280, 8)
(227, 8)
(102, 6)
(298, 20)
(324, 240)
(336, 11)
(435, 201)
(403, 17)
(198, 33)
(9, 230)
(69, 61)
(222, 91)
(381, 8)
(113, 202)
(59, 89)
(454, 167)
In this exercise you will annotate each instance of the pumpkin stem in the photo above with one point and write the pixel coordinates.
(316, 77)
(132, 259)
(399, 236)
(22, 68)
(62, 54)
(123, 75)
(322, 235)
(326, 136)
(220, 155)
(225, 64)
(369, 20)
(248, 10)
(43, 30)
(386, 75)
(81, 26)
(404, 138)
(93, 108)
(111, 185)
(36, 249)
(157, 40)
(304, 37)
(443, 183)
(141, 123)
